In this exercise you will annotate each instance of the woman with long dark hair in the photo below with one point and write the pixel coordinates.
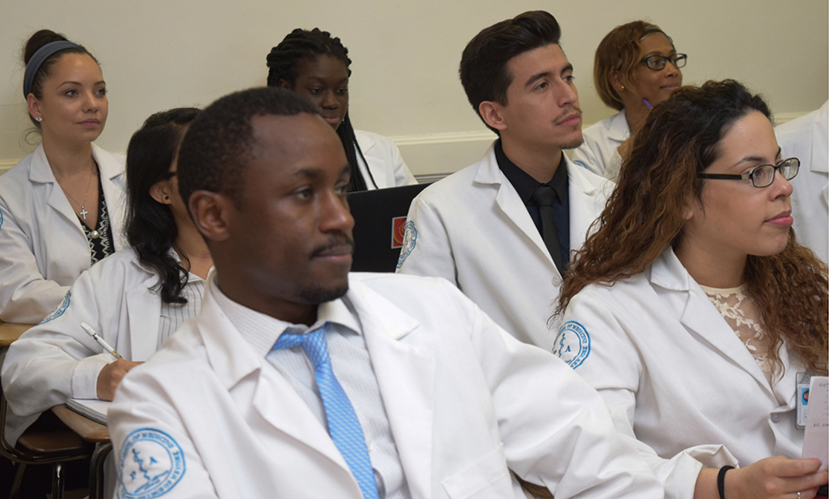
(134, 299)
(315, 66)
(636, 67)
(694, 311)
(61, 208)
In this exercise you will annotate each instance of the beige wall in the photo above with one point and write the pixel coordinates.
(158, 54)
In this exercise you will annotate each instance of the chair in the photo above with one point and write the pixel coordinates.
(50, 446)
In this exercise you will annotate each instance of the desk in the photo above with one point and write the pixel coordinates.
(96, 433)
(9, 333)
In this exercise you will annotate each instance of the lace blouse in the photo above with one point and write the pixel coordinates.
(739, 311)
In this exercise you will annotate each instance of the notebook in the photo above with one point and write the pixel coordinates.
(93, 409)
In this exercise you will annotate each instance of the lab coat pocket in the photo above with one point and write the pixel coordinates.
(486, 478)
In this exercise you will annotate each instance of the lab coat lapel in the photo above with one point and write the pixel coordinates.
(41, 173)
(509, 202)
(272, 398)
(699, 315)
(406, 379)
(140, 305)
(582, 209)
(114, 197)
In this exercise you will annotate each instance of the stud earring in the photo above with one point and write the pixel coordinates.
(38, 119)
(167, 198)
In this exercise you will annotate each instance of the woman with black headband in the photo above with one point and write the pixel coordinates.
(61, 207)
(315, 66)
(635, 68)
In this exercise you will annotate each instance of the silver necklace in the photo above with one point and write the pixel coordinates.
(83, 213)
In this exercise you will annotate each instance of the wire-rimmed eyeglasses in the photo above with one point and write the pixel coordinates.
(763, 175)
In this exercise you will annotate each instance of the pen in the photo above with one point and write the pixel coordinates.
(86, 327)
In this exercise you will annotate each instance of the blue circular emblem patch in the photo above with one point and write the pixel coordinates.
(572, 344)
(409, 238)
(60, 309)
(152, 463)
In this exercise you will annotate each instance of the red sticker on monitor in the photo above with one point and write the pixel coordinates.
(398, 230)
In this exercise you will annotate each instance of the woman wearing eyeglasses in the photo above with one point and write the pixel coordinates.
(692, 308)
(635, 68)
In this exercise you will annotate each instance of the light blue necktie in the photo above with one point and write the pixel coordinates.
(344, 427)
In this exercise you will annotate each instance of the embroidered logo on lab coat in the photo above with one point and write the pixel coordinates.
(572, 344)
(60, 309)
(152, 463)
(409, 237)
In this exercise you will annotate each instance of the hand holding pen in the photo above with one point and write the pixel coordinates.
(86, 327)
(111, 375)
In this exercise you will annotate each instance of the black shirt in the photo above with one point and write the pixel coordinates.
(525, 185)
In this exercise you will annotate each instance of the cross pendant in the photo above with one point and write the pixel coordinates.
(83, 212)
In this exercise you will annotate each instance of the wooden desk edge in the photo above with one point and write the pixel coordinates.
(88, 429)
(9, 333)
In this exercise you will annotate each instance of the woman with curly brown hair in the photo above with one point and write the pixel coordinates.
(635, 68)
(692, 309)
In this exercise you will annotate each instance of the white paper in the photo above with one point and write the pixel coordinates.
(815, 431)
(94, 409)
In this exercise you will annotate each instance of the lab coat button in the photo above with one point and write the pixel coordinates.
(776, 417)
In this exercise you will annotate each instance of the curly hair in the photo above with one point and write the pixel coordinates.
(644, 216)
(284, 64)
(619, 52)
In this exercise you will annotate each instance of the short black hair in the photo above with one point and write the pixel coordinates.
(218, 145)
(483, 68)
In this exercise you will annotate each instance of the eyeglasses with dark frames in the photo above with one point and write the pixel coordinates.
(763, 175)
(658, 62)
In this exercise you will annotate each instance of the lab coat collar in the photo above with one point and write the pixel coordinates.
(696, 312)
(405, 375)
(406, 378)
(41, 172)
(365, 141)
(618, 129)
(818, 160)
(233, 360)
(580, 191)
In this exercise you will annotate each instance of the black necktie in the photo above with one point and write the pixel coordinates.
(544, 196)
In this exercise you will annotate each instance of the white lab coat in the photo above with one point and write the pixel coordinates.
(472, 229)
(465, 402)
(56, 360)
(806, 139)
(385, 162)
(43, 248)
(598, 152)
(676, 376)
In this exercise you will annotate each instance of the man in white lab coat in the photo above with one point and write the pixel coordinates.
(301, 380)
(488, 228)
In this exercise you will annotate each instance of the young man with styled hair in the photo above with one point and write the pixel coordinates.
(503, 229)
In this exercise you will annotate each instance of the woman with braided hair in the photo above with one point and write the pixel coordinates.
(315, 66)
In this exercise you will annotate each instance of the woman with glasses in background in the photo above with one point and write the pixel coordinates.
(694, 311)
(635, 68)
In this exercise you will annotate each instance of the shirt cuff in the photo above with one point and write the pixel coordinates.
(85, 376)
